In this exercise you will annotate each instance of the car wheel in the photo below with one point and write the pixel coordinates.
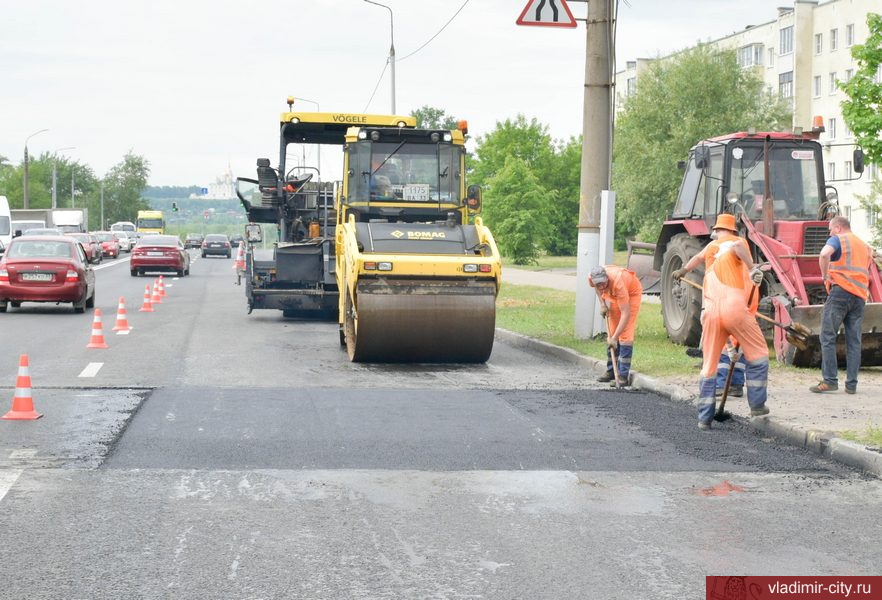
(134, 272)
(2, 307)
(14, 303)
(229, 255)
(90, 302)
(180, 273)
(80, 307)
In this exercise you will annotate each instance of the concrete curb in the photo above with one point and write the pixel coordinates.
(822, 443)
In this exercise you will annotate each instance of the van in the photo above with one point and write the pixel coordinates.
(123, 226)
(5, 224)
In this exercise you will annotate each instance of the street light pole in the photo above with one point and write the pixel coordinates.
(55, 174)
(319, 109)
(25, 194)
(391, 48)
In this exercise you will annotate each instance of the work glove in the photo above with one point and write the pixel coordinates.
(613, 343)
(604, 309)
(756, 275)
(734, 353)
(679, 274)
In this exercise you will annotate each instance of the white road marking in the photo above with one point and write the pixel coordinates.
(118, 261)
(23, 453)
(91, 370)
(8, 479)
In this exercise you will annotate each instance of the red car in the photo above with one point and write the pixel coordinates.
(90, 245)
(46, 269)
(109, 243)
(159, 253)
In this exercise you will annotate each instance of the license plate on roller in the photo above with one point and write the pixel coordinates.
(36, 276)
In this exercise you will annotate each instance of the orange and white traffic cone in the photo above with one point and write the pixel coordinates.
(97, 340)
(148, 305)
(161, 287)
(22, 402)
(156, 299)
(122, 322)
(240, 258)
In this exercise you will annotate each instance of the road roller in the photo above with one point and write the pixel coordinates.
(417, 270)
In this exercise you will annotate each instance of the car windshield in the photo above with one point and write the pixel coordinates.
(42, 232)
(215, 238)
(39, 249)
(4, 225)
(159, 240)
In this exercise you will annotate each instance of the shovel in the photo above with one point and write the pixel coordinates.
(612, 353)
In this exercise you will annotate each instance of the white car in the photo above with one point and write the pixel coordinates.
(126, 240)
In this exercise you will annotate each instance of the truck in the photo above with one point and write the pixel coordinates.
(150, 221)
(5, 224)
(774, 184)
(74, 220)
(396, 251)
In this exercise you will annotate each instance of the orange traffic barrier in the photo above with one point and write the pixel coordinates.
(122, 322)
(97, 340)
(240, 257)
(156, 299)
(161, 287)
(148, 305)
(22, 402)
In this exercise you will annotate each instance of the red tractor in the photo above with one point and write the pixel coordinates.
(774, 184)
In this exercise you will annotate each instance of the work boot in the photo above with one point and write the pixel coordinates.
(758, 412)
(693, 352)
(849, 390)
(623, 382)
(823, 386)
(704, 426)
(606, 377)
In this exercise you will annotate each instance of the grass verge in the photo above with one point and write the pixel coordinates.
(871, 437)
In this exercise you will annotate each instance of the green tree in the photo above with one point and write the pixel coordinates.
(698, 94)
(872, 203)
(429, 117)
(123, 186)
(515, 211)
(862, 110)
(519, 138)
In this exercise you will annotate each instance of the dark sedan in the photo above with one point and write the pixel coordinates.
(159, 253)
(46, 269)
(216, 244)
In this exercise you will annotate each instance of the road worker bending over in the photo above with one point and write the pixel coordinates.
(730, 297)
(620, 293)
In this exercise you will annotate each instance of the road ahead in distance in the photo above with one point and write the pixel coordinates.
(215, 454)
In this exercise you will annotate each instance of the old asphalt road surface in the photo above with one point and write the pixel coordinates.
(215, 454)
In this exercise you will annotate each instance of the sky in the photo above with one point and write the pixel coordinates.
(197, 86)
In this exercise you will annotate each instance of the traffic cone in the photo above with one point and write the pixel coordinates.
(156, 299)
(161, 287)
(147, 306)
(240, 258)
(22, 402)
(97, 340)
(122, 323)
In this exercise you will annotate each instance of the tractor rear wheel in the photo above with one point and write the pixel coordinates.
(681, 303)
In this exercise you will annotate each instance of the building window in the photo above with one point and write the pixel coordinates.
(847, 212)
(632, 86)
(785, 45)
(871, 218)
(819, 43)
(771, 57)
(785, 84)
(849, 73)
(833, 82)
(817, 87)
(848, 168)
(849, 35)
(831, 128)
(831, 171)
(846, 132)
(834, 39)
(751, 55)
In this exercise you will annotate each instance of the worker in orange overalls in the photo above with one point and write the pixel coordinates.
(620, 294)
(723, 234)
(729, 291)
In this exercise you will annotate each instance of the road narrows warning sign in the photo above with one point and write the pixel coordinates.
(547, 13)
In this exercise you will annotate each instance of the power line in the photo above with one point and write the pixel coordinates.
(376, 86)
(439, 31)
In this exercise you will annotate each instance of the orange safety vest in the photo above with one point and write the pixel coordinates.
(851, 271)
(728, 267)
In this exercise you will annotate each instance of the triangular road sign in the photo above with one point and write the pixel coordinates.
(547, 13)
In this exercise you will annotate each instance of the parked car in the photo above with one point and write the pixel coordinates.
(91, 245)
(216, 244)
(125, 239)
(109, 243)
(160, 253)
(46, 269)
(193, 240)
(236, 240)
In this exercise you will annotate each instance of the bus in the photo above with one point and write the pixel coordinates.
(150, 221)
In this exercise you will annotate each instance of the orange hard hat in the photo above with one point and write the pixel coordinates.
(725, 221)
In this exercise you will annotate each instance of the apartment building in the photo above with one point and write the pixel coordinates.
(801, 55)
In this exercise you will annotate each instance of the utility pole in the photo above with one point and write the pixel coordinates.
(102, 205)
(391, 49)
(596, 159)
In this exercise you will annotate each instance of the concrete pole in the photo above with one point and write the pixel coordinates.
(595, 177)
(73, 203)
(54, 184)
